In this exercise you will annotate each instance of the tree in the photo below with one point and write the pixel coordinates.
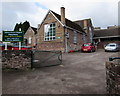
(16, 27)
(23, 26)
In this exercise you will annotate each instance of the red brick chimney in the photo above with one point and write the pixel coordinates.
(63, 15)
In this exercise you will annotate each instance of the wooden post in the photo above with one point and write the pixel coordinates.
(5, 45)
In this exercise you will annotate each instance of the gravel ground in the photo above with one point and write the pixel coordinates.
(80, 73)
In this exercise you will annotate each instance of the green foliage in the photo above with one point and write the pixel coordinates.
(24, 26)
(16, 27)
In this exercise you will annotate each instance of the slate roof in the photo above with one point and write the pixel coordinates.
(69, 23)
(34, 29)
(80, 22)
(107, 32)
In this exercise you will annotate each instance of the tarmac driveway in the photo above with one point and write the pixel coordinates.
(80, 73)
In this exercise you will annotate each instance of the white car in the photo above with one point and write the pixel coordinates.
(112, 47)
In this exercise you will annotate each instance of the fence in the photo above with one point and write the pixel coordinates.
(113, 77)
(46, 58)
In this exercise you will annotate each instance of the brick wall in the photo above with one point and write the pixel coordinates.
(87, 25)
(30, 34)
(50, 46)
(20, 59)
(71, 44)
(56, 44)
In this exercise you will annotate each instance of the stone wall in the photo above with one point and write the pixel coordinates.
(113, 77)
(20, 59)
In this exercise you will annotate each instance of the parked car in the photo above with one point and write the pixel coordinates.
(88, 47)
(22, 48)
(112, 47)
(2, 47)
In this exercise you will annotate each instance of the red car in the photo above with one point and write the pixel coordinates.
(88, 47)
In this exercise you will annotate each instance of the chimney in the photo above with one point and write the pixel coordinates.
(85, 23)
(63, 15)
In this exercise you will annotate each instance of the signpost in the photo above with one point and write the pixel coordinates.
(13, 36)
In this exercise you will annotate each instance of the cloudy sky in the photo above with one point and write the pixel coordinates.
(102, 12)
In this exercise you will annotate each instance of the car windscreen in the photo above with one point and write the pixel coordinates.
(86, 44)
(112, 45)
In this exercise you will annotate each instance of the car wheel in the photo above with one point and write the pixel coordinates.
(118, 50)
(91, 51)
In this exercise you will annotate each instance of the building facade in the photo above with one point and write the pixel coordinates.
(87, 25)
(105, 36)
(30, 37)
(58, 33)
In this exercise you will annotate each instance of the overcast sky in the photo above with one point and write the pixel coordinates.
(102, 12)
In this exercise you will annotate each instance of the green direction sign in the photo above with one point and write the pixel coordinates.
(12, 36)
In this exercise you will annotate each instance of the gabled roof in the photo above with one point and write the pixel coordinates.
(34, 29)
(107, 33)
(69, 23)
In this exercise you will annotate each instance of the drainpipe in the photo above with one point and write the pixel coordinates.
(66, 46)
(65, 40)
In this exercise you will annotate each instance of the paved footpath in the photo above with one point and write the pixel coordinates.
(80, 73)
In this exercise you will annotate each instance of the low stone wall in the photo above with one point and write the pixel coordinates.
(113, 77)
(18, 59)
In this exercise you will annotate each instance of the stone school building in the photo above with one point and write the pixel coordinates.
(58, 33)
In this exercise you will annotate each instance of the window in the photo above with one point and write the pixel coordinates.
(30, 40)
(75, 37)
(50, 31)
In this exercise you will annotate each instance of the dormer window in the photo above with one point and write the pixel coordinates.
(49, 31)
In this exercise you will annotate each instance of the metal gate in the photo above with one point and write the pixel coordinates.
(46, 58)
